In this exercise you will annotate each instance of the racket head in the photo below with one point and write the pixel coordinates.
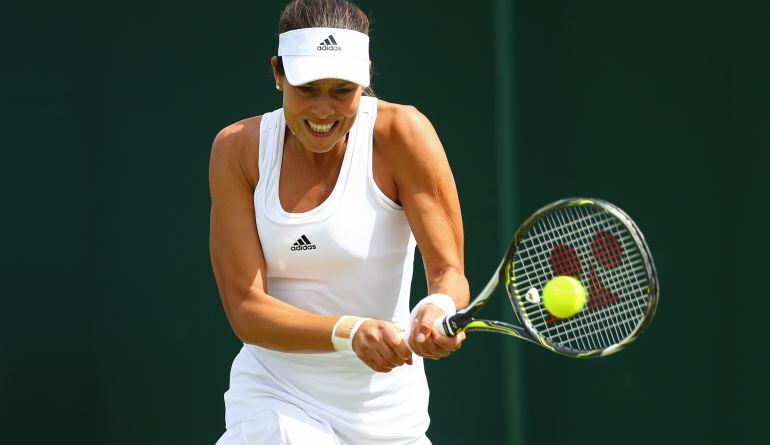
(600, 245)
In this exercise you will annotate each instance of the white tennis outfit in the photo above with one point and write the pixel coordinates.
(353, 254)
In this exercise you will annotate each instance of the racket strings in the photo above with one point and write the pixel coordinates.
(574, 267)
(614, 313)
(578, 332)
(597, 248)
(600, 328)
(576, 226)
(634, 260)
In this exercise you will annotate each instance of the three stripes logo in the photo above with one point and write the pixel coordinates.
(303, 244)
(329, 44)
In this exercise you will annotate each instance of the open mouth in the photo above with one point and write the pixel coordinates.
(320, 129)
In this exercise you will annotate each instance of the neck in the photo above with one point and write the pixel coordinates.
(317, 160)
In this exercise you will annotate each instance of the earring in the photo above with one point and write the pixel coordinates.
(277, 87)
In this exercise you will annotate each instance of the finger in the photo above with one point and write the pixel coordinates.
(389, 346)
(395, 340)
(418, 348)
(447, 344)
(413, 334)
(441, 346)
(382, 363)
(429, 349)
(374, 366)
(406, 338)
(459, 339)
(371, 356)
(423, 330)
(392, 358)
(427, 320)
(371, 359)
(401, 350)
(371, 363)
(412, 341)
(440, 353)
(374, 361)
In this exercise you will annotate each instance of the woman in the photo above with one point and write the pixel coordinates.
(313, 233)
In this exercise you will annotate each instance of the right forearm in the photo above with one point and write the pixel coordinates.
(273, 324)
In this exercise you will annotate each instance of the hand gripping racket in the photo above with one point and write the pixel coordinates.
(588, 239)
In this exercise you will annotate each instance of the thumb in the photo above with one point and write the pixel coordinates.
(423, 329)
(423, 322)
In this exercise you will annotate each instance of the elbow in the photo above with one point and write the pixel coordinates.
(243, 316)
(243, 334)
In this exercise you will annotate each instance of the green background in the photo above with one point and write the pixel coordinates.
(111, 329)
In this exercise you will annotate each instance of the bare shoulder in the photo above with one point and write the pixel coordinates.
(402, 133)
(395, 122)
(238, 143)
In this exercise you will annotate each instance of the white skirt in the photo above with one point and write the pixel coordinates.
(285, 424)
(333, 398)
(282, 424)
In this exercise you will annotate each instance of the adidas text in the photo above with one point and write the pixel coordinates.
(310, 247)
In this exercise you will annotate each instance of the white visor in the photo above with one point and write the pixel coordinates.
(310, 54)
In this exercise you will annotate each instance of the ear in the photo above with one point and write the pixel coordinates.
(279, 79)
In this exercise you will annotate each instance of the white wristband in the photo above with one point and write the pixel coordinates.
(443, 301)
(344, 331)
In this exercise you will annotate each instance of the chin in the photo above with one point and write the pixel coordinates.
(312, 144)
(317, 150)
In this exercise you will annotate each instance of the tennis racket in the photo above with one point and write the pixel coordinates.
(588, 239)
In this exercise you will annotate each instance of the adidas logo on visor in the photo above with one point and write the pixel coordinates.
(329, 44)
(303, 244)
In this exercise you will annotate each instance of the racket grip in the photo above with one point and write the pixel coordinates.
(438, 324)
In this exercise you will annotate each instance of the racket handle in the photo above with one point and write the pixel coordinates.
(438, 324)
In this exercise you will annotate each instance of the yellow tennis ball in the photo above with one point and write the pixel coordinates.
(564, 296)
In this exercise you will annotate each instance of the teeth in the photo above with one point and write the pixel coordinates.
(320, 128)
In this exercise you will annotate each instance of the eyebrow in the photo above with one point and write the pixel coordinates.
(315, 84)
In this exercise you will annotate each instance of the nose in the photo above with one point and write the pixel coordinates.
(322, 108)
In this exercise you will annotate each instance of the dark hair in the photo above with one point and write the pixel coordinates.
(343, 14)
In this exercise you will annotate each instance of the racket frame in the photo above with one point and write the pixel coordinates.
(463, 320)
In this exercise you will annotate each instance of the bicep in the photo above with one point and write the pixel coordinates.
(236, 253)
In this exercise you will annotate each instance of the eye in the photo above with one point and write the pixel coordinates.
(305, 89)
(344, 90)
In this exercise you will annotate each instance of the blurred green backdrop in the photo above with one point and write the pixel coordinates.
(112, 329)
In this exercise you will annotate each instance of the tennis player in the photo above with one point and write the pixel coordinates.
(316, 211)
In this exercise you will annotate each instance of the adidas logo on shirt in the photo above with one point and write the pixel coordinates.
(303, 244)
(329, 44)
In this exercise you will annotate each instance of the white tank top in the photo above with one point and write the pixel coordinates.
(353, 254)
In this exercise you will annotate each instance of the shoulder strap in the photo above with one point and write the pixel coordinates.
(269, 136)
(369, 105)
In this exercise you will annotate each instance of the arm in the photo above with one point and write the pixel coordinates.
(427, 191)
(239, 268)
(238, 261)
